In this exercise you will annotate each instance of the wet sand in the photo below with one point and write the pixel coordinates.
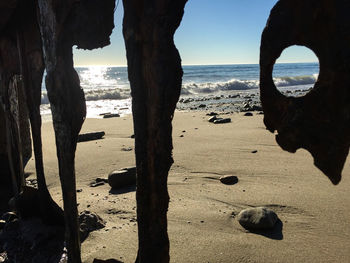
(314, 214)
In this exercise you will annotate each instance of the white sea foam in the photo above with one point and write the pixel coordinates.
(236, 84)
(107, 88)
(196, 88)
(295, 81)
(97, 94)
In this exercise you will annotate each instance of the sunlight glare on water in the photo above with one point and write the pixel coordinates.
(96, 76)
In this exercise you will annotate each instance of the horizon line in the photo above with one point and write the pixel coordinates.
(210, 64)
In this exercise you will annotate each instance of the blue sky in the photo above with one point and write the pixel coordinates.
(211, 32)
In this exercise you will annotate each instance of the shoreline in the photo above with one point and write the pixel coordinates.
(201, 217)
(223, 102)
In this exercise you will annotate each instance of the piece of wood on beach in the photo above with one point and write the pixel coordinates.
(222, 120)
(90, 136)
(106, 261)
(111, 115)
(105, 113)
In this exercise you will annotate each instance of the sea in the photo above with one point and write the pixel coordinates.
(204, 87)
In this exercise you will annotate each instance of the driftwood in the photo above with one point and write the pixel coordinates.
(21, 54)
(110, 115)
(90, 136)
(14, 142)
(318, 122)
(62, 24)
(155, 75)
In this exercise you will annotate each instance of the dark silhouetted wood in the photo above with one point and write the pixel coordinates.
(90, 136)
(87, 24)
(318, 122)
(155, 75)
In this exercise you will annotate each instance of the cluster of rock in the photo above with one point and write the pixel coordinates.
(89, 222)
(223, 103)
(216, 119)
(31, 240)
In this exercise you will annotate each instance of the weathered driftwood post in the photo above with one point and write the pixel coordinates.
(155, 75)
(87, 24)
(319, 121)
(15, 139)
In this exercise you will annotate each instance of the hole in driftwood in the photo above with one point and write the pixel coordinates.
(296, 71)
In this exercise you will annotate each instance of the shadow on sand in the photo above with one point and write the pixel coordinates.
(124, 190)
(276, 233)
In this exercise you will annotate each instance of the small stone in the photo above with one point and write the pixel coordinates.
(202, 106)
(212, 114)
(181, 136)
(95, 184)
(79, 190)
(126, 149)
(122, 178)
(99, 179)
(256, 108)
(132, 136)
(212, 119)
(229, 179)
(255, 151)
(258, 218)
(246, 106)
(220, 121)
(248, 114)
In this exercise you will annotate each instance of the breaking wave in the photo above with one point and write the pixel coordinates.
(236, 84)
(196, 88)
(97, 94)
(295, 81)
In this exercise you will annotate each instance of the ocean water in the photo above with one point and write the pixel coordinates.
(107, 89)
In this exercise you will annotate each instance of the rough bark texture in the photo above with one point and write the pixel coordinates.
(9, 68)
(155, 75)
(87, 24)
(58, 24)
(320, 121)
(21, 53)
(6, 11)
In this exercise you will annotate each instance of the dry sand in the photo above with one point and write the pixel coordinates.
(202, 225)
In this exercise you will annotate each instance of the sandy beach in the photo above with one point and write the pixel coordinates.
(314, 214)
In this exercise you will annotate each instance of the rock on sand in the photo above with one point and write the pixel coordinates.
(122, 178)
(258, 218)
(229, 179)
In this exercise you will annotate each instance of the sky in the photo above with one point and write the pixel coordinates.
(211, 32)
